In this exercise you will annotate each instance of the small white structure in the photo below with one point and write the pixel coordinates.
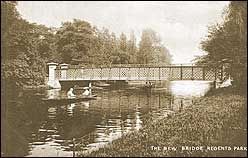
(86, 92)
(70, 93)
(227, 82)
(52, 81)
(90, 88)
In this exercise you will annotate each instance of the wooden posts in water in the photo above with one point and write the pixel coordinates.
(73, 152)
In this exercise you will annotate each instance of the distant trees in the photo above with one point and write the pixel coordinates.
(121, 56)
(132, 48)
(226, 43)
(27, 47)
(151, 50)
(79, 42)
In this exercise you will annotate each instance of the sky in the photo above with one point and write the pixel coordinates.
(181, 24)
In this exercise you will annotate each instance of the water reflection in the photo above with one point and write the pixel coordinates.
(189, 88)
(59, 129)
(52, 93)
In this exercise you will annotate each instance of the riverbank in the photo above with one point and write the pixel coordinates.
(218, 119)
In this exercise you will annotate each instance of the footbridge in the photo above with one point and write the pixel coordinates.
(65, 72)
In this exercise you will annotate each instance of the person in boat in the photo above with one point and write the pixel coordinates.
(86, 92)
(70, 93)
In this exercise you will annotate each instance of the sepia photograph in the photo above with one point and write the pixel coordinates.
(123, 78)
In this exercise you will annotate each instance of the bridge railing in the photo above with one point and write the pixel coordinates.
(167, 72)
(65, 72)
(130, 65)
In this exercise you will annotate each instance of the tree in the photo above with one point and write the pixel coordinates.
(74, 40)
(226, 44)
(132, 48)
(103, 47)
(21, 61)
(121, 56)
(145, 48)
(151, 50)
(123, 42)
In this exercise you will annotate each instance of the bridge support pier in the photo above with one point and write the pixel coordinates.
(52, 81)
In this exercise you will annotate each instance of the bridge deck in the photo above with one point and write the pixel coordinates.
(139, 73)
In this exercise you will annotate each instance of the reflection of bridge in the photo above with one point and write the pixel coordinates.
(64, 72)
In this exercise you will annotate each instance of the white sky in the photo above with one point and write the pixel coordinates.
(181, 24)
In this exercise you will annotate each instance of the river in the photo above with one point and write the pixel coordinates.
(62, 130)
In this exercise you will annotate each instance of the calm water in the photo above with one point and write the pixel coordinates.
(58, 130)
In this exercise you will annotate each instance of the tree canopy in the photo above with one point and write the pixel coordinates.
(27, 47)
(151, 50)
(226, 43)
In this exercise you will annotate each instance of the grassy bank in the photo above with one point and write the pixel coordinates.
(218, 119)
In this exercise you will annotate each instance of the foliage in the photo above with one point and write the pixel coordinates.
(216, 120)
(27, 47)
(151, 49)
(22, 48)
(132, 48)
(79, 43)
(74, 40)
(226, 43)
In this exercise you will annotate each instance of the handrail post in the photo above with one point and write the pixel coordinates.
(215, 74)
(109, 78)
(203, 73)
(222, 71)
(64, 68)
(129, 74)
(119, 73)
(192, 73)
(181, 72)
(159, 70)
(92, 75)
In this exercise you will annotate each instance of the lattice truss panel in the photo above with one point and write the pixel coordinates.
(198, 73)
(124, 73)
(73, 74)
(164, 73)
(209, 74)
(143, 73)
(57, 74)
(175, 73)
(134, 74)
(87, 74)
(114, 74)
(187, 73)
(153, 73)
(97, 74)
(105, 73)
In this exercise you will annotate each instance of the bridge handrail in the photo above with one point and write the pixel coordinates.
(131, 66)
